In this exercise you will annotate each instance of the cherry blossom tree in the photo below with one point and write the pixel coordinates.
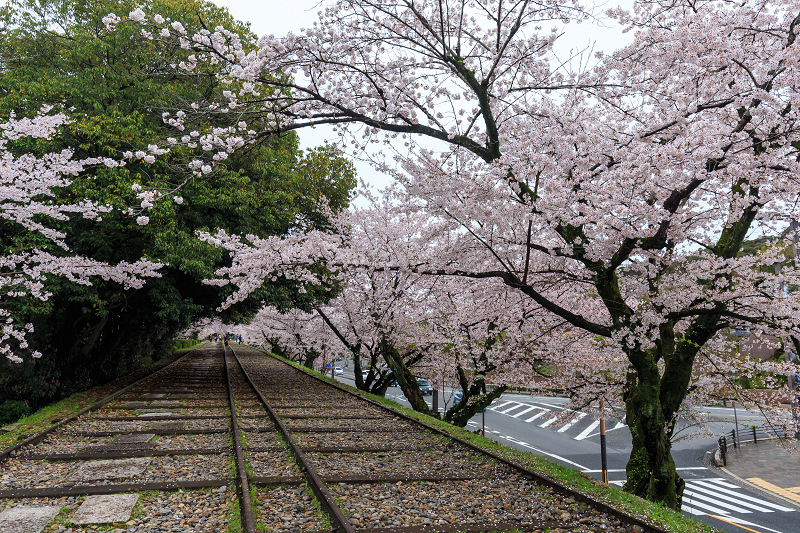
(616, 199)
(28, 184)
(294, 334)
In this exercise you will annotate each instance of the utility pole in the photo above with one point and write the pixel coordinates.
(603, 461)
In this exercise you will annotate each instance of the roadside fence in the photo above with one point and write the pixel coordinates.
(748, 434)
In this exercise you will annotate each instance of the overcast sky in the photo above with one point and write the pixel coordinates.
(276, 17)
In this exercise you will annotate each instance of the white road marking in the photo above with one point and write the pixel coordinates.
(507, 410)
(537, 415)
(714, 484)
(530, 408)
(619, 425)
(494, 407)
(699, 490)
(543, 452)
(571, 423)
(549, 421)
(585, 433)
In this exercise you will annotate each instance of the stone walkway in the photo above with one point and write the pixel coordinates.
(769, 465)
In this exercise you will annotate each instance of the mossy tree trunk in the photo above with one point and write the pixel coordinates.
(406, 379)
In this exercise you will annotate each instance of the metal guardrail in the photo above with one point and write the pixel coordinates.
(749, 434)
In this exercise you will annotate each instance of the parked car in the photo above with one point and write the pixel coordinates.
(338, 371)
(424, 387)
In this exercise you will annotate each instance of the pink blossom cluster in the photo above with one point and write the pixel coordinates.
(27, 185)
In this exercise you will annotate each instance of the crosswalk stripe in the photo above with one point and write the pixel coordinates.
(530, 408)
(619, 425)
(571, 423)
(697, 489)
(693, 509)
(585, 433)
(494, 407)
(537, 415)
(728, 492)
(549, 421)
(507, 410)
(695, 502)
(691, 497)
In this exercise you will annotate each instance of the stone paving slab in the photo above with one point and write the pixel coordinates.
(133, 438)
(22, 519)
(769, 465)
(134, 405)
(111, 469)
(130, 441)
(105, 509)
(172, 425)
(153, 412)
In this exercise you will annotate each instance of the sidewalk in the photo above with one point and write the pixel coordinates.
(770, 466)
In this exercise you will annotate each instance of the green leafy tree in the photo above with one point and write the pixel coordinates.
(58, 53)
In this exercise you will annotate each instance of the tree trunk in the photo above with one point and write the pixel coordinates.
(463, 411)
(651, 471)
(406, 380)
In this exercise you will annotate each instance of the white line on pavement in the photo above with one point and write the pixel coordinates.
(530, 408)
(571, 422)
(537, 415)
(585, 433)
(543, 452)
(548, 422)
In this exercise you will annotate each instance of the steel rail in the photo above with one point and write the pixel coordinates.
(535, 476)
(340, 521)
(36, 438)
(242, 485)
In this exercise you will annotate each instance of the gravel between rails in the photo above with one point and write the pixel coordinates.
(288, 509)
(356, 412)
(61, 442)
(201, 511)
(256, 425)
(272, 464)
(21, 473)
(97, 426)
(349, 424)
(443, 503)
(174, 411)
(413, 464)
(370, 439)
(263, 440)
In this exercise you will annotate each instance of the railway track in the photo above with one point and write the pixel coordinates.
(241, 440)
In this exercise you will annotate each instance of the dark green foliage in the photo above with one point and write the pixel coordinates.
(13, 410)
(182, 344)
(58, 53)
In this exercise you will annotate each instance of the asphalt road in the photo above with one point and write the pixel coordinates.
(571, 438)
